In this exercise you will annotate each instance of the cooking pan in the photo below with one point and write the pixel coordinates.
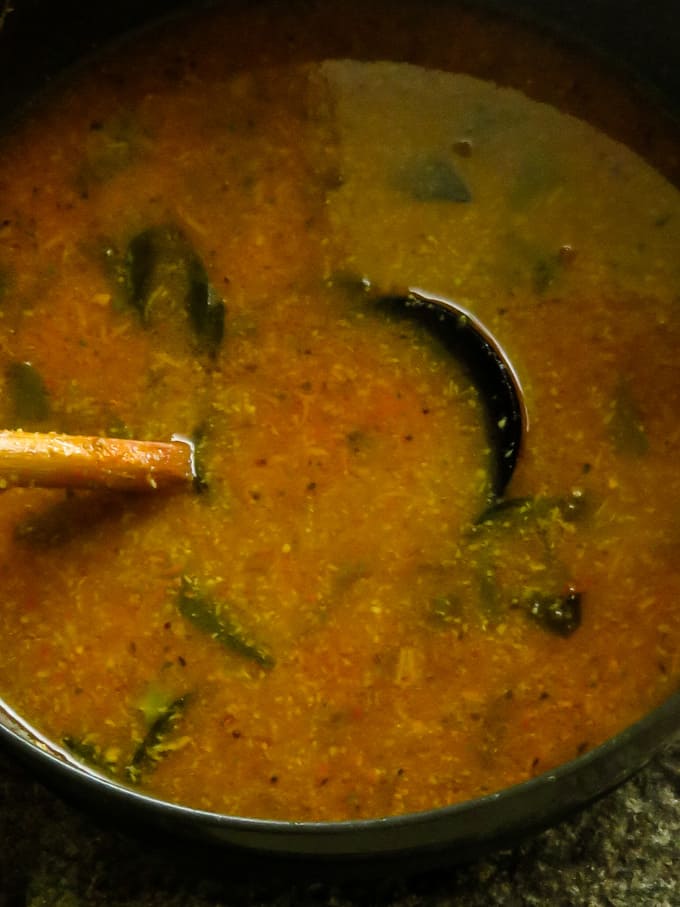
(39, 38)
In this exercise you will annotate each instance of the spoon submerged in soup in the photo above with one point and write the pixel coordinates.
(53, 460)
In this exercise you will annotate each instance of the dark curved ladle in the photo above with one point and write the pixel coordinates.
(466, 338)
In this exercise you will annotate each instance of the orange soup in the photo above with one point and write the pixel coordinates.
(342, 620)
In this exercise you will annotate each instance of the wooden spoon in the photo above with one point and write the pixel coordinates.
(54, 460)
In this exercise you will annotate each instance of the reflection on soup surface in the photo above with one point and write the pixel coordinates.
(195, 234)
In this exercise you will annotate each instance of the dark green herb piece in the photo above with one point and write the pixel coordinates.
(142, 260)
(90, 753)
(560, 614)
(626, 427)
(513, 543)
(160, 269)
(30, 400)
(214, 619)
(431, 179)
(206, 309)
(157, 743)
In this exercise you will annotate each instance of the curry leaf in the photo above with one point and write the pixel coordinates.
(206, 309)
(517, 543)
(161, 271)
(141, 262)
(560, 614)
(91, 753)
(30, 400)
(158, 740)
(216, 620)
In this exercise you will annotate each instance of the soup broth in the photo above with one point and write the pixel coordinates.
(342, 621)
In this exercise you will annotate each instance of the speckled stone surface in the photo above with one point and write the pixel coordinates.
(624, 851)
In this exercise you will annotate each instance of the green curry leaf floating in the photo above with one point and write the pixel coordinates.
(159, 740)
(160, 269)
(528, 531)
(163, 715)
(28, 394)
(218, 621)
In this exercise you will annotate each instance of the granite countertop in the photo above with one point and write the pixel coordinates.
(623, 851)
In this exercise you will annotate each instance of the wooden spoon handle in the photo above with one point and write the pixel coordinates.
(68, 461)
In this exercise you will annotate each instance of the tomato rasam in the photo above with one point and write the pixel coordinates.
(343, 621)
